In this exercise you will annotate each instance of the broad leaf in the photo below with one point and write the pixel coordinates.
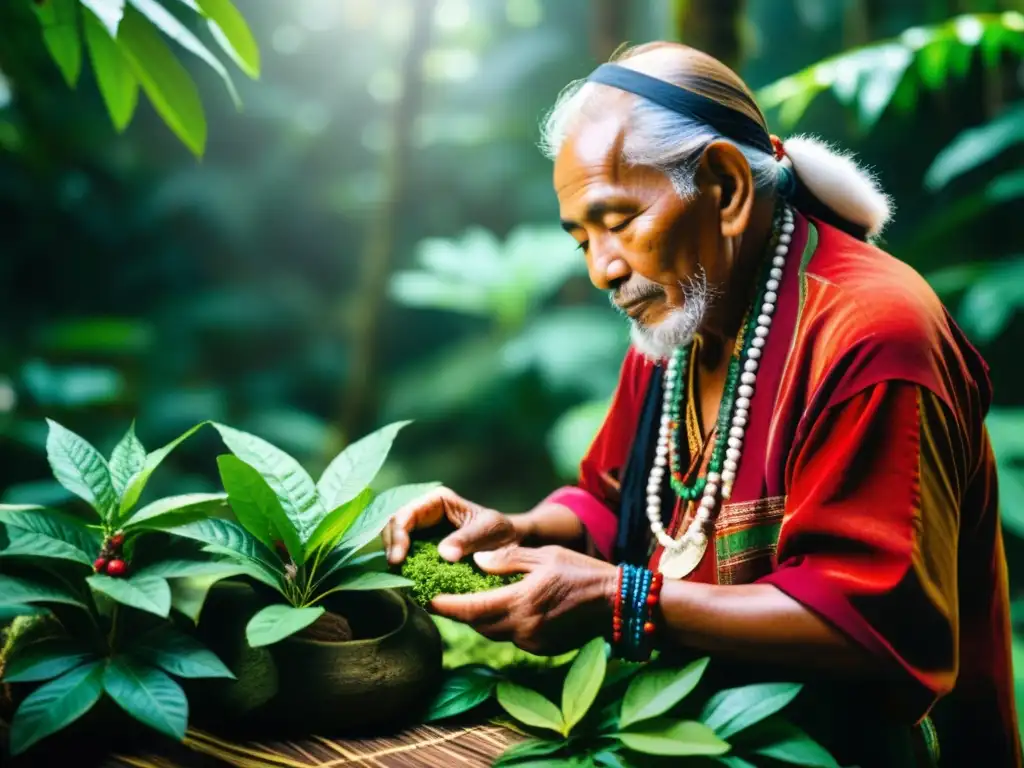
(43, 660)
(677, 738)
(188, 594)
(59, 19)
(174, 29)
(232, 34)
(176, 569)
(734, 762)
(976, 146)
(10, 612)
(252, 569)
(148, 695)
(369, 524)
(109, 13)
(731, 711)
(529, 707)
(791, 745)
(185, 508)
(356, 466)
(129, 455)
(178, 654)
(55, 705)
(276, 622)
(609, 759)
(333, 527)
(583, 682)
(80, 468)
(257, 507)
(229, 537)
(164, 79)
(147, 593)
(17, 591)
(462, 690)
(363, 581)
(292, 484)
(520, 753)
(43, 533)
(655, 691)
(137, 484)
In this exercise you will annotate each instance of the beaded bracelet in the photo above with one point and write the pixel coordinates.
(637, 595)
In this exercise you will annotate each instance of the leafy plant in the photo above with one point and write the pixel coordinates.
(303, 540)
(127, 52)
(895, 71)
(598, 723)
(105, 579)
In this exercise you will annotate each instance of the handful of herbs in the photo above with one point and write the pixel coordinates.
(432, 575)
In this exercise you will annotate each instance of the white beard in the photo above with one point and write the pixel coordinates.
(677, 330)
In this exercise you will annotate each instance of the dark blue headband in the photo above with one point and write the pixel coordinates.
(728, 122)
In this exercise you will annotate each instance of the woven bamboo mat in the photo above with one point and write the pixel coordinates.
(464, 746)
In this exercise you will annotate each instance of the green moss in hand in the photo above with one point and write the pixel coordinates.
(433, 575)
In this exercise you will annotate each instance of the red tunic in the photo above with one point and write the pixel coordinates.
(866, 489)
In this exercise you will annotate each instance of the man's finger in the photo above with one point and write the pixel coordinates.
(418, 513)
(396, 542)
(474, 536)
(508, 560)
(478, 608)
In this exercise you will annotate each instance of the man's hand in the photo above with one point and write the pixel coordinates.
(565, 599)
(479, 528)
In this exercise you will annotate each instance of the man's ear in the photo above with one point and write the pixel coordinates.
(725, 171)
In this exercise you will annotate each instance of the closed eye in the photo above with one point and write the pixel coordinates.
(621, 226)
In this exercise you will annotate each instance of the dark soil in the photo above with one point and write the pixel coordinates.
(329, 628)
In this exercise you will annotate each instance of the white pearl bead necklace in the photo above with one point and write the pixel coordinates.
(718, 485)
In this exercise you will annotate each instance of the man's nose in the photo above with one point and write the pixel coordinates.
(607, 268)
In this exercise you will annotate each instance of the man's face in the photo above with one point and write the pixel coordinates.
(643, 243)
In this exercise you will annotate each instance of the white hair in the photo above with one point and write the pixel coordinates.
(674, 144)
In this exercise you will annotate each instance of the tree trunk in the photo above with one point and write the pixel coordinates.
(376, 262)
(712, 26)
(609, 27)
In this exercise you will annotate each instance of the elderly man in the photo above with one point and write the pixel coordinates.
(794, 475)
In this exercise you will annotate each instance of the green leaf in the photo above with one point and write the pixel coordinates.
(176, 569)
(655, 691)
(677, 738)
(731, 711)
(109, 13)
(59, 19)
(609, 759)
(518, 753)
(188, 507)
(461, 691)
(165, 81)
(129, 455)
(734, 762)
(188, 594)
(147, 593)
(583, 682)
(292, 484)
(355, 467)
(43, 533)
(178, 654)
(43, 660)
(791, 745)
(333, 527)
(10, 612)
(148, 695)
(976, 146)
(257, 507)
(80, 468)
(174, 29)
(17, 591)
(137, 484)
(233, 35)
(529, 707)
(364, 581)
(276, 622)
(231, 539)
(369, 525)
(55, 705)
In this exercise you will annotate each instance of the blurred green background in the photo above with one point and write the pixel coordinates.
(373, 235)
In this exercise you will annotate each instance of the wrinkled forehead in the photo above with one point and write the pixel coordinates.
(591, 153)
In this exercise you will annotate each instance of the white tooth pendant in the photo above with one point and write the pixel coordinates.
(683, 554)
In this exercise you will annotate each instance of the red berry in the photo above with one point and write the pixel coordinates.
(100, 564)
(649, 628)
(117, 540)
(116, 568)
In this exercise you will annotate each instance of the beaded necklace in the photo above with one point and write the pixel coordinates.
(734, 414)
